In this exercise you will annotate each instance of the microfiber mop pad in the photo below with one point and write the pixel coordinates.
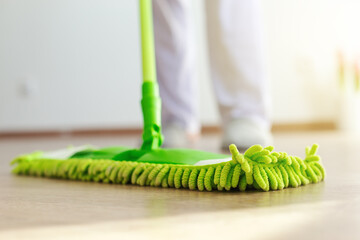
(258, 168)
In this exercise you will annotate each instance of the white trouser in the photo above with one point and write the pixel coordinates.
(236, 61)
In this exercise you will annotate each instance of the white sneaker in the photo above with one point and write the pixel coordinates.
(244, 133)
(176, 137)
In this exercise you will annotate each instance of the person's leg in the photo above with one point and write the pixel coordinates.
(237, 67)
(175, 70)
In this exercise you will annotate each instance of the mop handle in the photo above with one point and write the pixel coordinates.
(151, 102)
(147, 41)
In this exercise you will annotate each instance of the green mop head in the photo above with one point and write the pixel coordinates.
(258, 168)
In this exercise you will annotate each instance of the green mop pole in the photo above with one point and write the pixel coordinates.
(151, 102)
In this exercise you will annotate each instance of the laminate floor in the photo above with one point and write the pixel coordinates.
(37, 208)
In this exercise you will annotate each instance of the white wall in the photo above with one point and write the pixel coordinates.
(68, 64)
